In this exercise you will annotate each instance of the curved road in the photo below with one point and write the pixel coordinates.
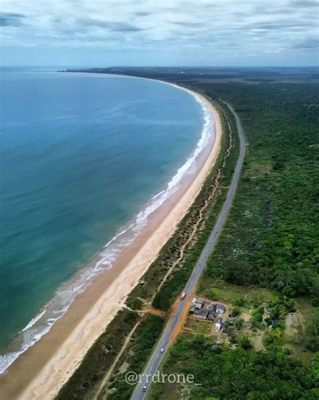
(167, 334)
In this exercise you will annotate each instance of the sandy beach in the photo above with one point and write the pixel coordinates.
(42, 370)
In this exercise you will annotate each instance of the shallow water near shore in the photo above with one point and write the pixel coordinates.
(85, 159)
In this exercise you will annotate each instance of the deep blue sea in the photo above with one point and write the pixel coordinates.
(81, 155)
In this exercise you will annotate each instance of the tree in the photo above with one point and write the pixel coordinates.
(245, 342)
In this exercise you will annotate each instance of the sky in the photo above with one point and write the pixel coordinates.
(159, 32)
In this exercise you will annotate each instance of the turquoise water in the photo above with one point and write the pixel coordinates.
(81, 155)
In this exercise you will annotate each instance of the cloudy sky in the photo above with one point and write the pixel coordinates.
(159, 32)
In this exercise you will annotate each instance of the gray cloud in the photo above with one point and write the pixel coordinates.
(123, 27)
(280, 25)
(304, 3)
(142, 13)
(190, 24)
(213, 28)
(310, 43)
(11, 19)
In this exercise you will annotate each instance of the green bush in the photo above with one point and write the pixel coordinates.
(235, 312)
(245, 342)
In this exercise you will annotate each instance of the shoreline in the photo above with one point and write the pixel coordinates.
(56, 356)
(104, 258)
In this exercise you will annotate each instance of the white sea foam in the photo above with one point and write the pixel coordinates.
(33, 321)
(65, 295)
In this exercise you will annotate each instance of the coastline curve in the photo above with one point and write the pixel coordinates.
(153, 227)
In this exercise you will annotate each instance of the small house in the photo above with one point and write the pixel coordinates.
(220, 308)
(200, 314)
(212, 315)
(197, 303)
(219, 324)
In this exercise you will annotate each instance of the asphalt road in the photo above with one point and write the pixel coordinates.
(165, 339)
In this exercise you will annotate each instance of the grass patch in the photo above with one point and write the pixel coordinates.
(233, 294)
(301, 334)
(204, 328)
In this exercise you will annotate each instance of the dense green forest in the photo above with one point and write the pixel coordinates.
(271, 237)
(221, 373)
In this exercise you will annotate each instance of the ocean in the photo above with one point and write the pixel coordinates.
(84, 158)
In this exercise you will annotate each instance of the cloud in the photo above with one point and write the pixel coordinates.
(310, 43)
(188, 24)
(215, 28)
(281, 25)
(142, 13)
(108, 25)
(10, 19)
(304, 3)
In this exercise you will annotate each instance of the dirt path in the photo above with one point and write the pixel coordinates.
(116, 360)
